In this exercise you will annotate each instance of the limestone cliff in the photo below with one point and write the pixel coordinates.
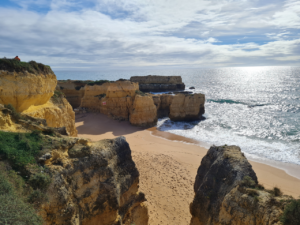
(73, 90)
(187, 107)
(227, 192)
(57, 112)
(92, 96)
(144, 112)
(93, 183)
(158, 83)
(163, 103)
(24, 89)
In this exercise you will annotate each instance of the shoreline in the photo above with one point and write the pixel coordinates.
(168, 164)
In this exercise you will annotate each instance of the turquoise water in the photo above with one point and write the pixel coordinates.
(256, 108)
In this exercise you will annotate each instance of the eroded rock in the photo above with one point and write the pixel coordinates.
(222, 196)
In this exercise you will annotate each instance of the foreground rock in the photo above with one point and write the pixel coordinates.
(159, 83)
(225, 194)
(94, 184)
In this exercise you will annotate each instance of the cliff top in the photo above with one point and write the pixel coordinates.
(156, 79)
(13, 65)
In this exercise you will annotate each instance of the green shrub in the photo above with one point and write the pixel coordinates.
(277, 191)
(248, 182)
(98, 82)
(291, 213)
(57, 97)
(37, 197)
(14, 113)
(40, 180)
(20, 148)
(13, 210)
(100, 96)
(138, 92)
(13, 65)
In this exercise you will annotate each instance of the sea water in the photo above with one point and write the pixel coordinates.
(256, 108)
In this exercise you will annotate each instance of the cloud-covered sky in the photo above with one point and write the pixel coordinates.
(109, 34)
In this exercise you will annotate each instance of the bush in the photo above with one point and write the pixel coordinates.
(291, 213)
(57, 97)
(14, 113)
(138, 92)
(248, 182)
(13, 210)
(37, 197)
(13, 65)
(20, 148)
(277, 191)
(98, 82)
(40, 180)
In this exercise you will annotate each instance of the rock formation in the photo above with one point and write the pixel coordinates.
(73, 90)
(163, 103)
(33, 94)
(225, 194)
(159, 83)
(92, 96)
(93, 183)
(187, 107)
(23, 90)
(144, 112)
(56, 113)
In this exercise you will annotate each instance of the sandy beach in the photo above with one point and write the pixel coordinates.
(168, 165)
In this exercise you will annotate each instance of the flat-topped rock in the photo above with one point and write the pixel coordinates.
(157, 83)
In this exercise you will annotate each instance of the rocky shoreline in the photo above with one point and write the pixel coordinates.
(70, 180)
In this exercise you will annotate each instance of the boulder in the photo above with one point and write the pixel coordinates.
(226, 192)
(187, 107)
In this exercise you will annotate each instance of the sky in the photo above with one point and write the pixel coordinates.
(111, 34)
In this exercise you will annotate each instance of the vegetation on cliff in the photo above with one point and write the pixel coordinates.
(13, 65)
(97, 82)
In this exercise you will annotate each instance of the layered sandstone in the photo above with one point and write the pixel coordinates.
(159, 83)
(187, 107)
(73, 90)
(226, 192)
(92, 96)
(144, 112)
(57, 113)
(93, 183)
(163, 103)
(24, 89)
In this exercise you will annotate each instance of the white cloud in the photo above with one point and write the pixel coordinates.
(113, 33)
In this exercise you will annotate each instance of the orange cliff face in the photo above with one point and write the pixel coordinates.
(33, 95)
(23, 90)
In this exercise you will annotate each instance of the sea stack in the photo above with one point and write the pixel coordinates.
(156, 83)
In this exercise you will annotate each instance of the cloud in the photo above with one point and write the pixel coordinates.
(134, 33)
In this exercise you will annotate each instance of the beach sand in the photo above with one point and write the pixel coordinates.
(168, 165)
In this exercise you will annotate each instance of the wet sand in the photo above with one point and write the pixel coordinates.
(168, 165)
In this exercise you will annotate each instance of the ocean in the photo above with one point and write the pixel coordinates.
(256, 108)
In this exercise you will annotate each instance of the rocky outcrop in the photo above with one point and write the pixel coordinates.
(227, 192)
(163, 103)
(92, 96)
(158, 83)
(185, 107)
(144, 112)
(73, 90)
(93, 183)
(57, 112)
(24, 89)
(119, 99)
